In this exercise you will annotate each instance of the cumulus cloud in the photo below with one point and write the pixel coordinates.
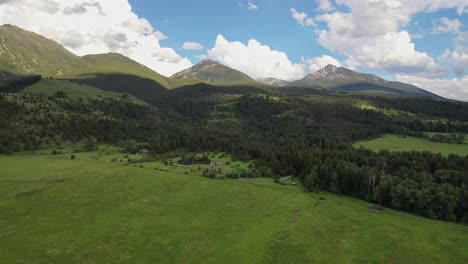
(434, 5)
(104, 26)
(325, 5)
(251, 6)
(192, 46)
(383, 45)
(255, 59)
(446, 25)
(302, 18)
(317, 63)
(81, 8)
(458, 56)
(456, 89)
(458, 59)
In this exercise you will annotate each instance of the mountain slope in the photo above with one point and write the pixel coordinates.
(214, 73)
(48, 87)
(340, 79)
(25, 53)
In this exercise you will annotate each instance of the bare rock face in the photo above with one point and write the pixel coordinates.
(323, 73)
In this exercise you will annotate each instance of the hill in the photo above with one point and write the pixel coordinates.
(288, 134)
(340, 79)
(26, 53)
(94, 209)
(214, 73)
(48, 87)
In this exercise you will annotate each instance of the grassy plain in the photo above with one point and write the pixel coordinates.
(402, 143)
(49, 87)
(97, 209)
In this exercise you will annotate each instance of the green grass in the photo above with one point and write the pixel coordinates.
(113, 63)
(49, 87)
(90, 210)
(224, 162)
(401, 143)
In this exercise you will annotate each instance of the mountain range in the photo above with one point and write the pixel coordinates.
(27, 53)
(340, 79)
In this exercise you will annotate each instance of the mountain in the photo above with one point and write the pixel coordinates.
(340, 79)
(214, 73)
(272, 81)
(25, 53)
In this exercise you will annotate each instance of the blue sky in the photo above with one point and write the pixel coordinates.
(202, 21)
(272, 24)
(422, 42)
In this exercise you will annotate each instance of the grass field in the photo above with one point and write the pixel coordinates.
(400, 143)
(49, 87)
(91, 210)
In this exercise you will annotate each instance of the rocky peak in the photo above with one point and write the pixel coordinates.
(323, 73)
(272, 81)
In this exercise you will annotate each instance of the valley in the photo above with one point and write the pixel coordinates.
(104, 160)
(93, 209)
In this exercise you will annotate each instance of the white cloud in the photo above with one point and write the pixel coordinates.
(456, 89)
(370, 35)
(252, 6)
(317, 63)
(302, 18)
(434, 5)
(325, 5)
(201, 56)
(192, 46)
(458, 59)
(255, 59)
(95, 26)
(446, 25)
(159, 35)
(417, 36)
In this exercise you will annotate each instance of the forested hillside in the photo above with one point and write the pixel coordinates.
(50, 98)
(310, 136)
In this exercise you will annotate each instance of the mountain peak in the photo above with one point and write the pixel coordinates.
(272, 81)
(207, 61)
(330, 68)
(213, 72)
(325, 72)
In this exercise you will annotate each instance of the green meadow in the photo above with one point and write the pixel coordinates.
(403, 143)
(48, 87)
(99, 208)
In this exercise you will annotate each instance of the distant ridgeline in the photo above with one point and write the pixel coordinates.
(289, 130)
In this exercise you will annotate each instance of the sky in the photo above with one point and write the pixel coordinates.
(422, 42)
